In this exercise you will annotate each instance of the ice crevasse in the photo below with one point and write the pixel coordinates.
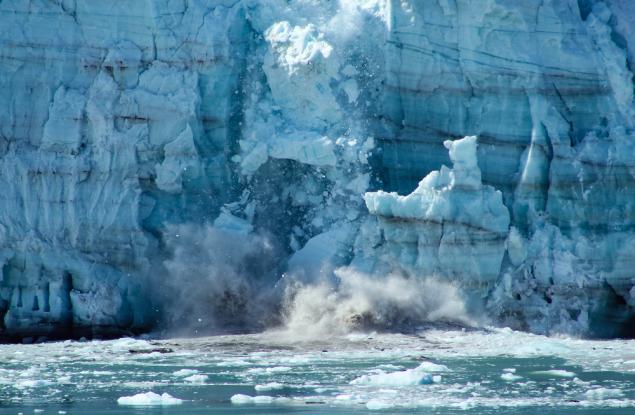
(329, 132)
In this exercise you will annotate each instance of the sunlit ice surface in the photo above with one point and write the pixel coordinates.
(438, 371)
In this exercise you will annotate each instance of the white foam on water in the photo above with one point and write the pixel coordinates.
(323, 310)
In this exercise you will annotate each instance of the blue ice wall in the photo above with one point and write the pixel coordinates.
(120, 121)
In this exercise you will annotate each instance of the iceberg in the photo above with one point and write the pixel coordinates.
(332, 134)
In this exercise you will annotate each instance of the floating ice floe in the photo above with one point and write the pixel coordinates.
(603, 393)
(510, 377)
(270, 386)
(185, 372)
(240, 399)
(275, 369)
(417, 376)
(149, 399)
(196, 378)
(376, 405)
(33, 383)
(555, 372)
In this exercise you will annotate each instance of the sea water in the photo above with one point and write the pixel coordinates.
(434, 371)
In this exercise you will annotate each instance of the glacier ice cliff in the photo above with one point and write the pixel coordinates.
(148, 148)
(450, 224)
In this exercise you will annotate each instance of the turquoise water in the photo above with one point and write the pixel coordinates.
(473, 372)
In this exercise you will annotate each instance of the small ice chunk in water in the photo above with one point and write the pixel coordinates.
(64, 380)
(510, 377)
(432, 367)
(149, 399)
(32, 383)
(416, 376)
(278, 369)
(269, 386)
(375, 405)
(556, 372)
(579, 381)
(196, 379)
(603, 393)
(275, 369)
(405, 378)
(240, 399)
(389, 367)
(185, 372)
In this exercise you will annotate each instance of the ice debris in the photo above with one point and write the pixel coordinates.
(149, 399)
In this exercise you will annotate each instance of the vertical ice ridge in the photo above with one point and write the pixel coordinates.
(81, 196)
(450, 225)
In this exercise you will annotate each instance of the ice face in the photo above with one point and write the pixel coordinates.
(322, 128)
(449, 225)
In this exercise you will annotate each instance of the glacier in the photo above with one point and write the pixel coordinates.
(148, 149)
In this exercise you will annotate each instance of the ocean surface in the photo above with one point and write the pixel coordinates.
(436, 371)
